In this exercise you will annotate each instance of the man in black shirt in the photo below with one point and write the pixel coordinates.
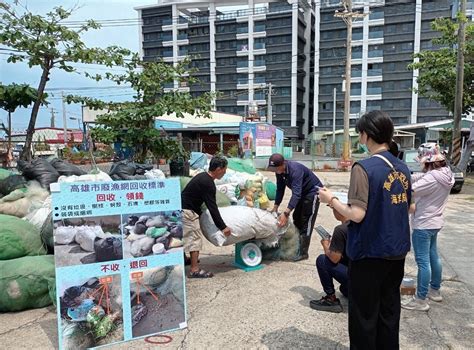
(333, 265)
(201, 189)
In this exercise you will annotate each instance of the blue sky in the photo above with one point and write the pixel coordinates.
(125, 36)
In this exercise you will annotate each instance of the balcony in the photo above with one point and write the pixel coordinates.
(376, 34)
(374, 91)
(242, 30)
(242, 97)
(259, 63)
(375, 53)
(242, 81)
(259, 28)
(374, 72)
(242, 64)
(356, 73)
(259, 46)
(356, 55)
(355, 92)
(167, 22)
(357, 36)
(259, 80)
(182, 36)
(168, 53)
(376, 15)
(182, 52)
(259, 96)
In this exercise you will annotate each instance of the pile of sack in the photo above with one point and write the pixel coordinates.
(158, 234)
(26, 272)
(104, 245)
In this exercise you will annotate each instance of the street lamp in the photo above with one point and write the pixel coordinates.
(78, 122)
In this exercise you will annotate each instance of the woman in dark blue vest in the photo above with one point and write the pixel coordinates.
(379, 236)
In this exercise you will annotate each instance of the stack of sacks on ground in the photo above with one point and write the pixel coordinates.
(24, 200)
(105, 245)
(244, 189)
(156, 234)
(26, 273)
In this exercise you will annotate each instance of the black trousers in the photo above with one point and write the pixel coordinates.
(374, 303)
(305, 214)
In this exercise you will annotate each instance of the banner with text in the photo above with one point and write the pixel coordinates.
(119, 261)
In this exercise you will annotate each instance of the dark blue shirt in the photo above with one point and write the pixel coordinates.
(385, 231)
(300, 180)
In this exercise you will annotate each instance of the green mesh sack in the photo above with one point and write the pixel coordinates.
(26, 283)
(18, 238)
(221, 198)
(4, 173)
(241, 165)
(270, 190)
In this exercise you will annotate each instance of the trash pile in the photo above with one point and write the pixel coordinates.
(147, 235)
(91, 314)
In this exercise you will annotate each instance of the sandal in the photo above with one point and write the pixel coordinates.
(200, 274)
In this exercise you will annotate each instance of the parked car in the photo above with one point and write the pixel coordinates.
(408, 156)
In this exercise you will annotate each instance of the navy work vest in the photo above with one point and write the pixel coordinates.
(384, 232)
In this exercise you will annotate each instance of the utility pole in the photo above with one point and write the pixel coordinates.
(347, 15)
(64, 118)
(52, 118)
(269, 104)
(334, 123)
(458, 100)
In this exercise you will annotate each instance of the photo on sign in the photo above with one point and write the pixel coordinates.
(91, 312)
(87, 240)
(157, 300)
(151, 233)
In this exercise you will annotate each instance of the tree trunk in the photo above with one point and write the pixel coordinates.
(9, 132)
(26, 152)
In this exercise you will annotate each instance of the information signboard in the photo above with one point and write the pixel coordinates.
(119, 261)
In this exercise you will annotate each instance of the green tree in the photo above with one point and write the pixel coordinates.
(46, 42)
(437, 67)
(17, 95)
(133, 122)
(437, 70)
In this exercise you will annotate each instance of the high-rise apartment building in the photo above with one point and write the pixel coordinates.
(240, 47)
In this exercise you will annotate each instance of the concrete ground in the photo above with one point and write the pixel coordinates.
(268, 308)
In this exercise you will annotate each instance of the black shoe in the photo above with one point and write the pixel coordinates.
(327, 303)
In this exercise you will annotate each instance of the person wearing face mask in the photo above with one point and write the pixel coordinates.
(431, 189)
(304, 202)
(378, 239)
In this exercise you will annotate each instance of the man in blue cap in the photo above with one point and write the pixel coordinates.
(304, 202)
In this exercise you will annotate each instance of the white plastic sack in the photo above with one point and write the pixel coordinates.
(155, 174)
(38, 216)
(245, 223)
(64, 234)
(85, 236)
(99, 176)
(229, 190)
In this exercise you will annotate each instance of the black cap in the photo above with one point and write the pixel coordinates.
(276, 160)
